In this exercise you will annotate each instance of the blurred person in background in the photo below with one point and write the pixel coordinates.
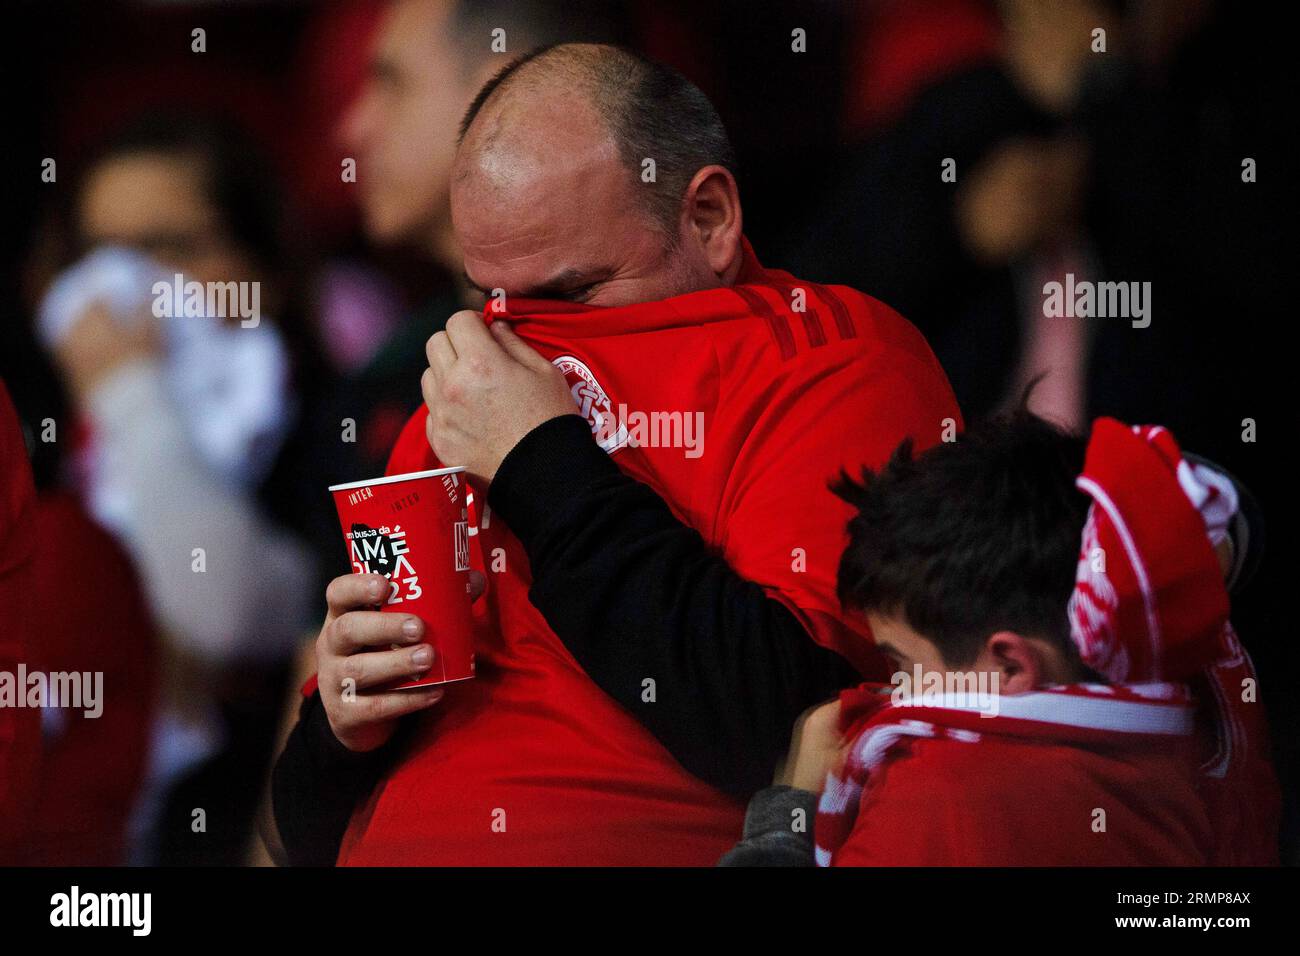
(1122, 164)
(19, 727)
(181, 419)
(994, 89)
(94, 620)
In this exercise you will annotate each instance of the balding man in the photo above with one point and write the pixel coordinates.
(660, 602)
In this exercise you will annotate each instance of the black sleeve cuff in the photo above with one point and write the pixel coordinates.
(327, 751)
(544, 471)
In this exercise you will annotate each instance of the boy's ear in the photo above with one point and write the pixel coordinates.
(1022, 663)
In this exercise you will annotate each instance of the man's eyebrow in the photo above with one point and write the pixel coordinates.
(889, 650)
(562, 282)
(557, 286)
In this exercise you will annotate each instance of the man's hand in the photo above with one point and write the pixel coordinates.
(486, 389)
(815, 748)
(355, 653)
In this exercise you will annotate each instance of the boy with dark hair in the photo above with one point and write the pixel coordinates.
(1069, 690)
(971, 539)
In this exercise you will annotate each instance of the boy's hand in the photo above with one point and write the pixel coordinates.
(815, 748)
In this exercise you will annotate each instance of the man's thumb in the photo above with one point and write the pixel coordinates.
(517, 348)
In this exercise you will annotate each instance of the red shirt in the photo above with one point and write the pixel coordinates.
(20, 727)
(530, 763)
(1008, 802)
(95, 618)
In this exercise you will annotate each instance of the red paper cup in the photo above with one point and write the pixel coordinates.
(413, 530)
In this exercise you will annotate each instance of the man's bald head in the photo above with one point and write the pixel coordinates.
(548, 199)
(646, 111)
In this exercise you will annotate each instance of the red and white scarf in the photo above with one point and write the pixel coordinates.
(1084, 715)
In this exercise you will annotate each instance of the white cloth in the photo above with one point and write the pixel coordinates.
(246, 596)
(230, 384)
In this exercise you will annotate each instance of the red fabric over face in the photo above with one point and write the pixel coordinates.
(530, 763)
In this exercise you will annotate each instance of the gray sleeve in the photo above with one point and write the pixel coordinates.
(250, 599)
(778, 829)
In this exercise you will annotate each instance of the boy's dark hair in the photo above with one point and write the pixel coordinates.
(970, 537)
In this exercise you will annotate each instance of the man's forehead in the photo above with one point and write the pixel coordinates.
(541, 132)
(508, 192)
(552, 170)
(527, 236)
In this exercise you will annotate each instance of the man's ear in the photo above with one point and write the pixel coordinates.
(1021, 663)
(712, 217)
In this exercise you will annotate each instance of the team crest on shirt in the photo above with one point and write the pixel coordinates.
(593, 403)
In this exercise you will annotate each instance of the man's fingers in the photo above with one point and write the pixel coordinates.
(363, 630)
(477, 584)
(352, 592)
(381, 667)
(517, 348)
(468, 332)
(441, 353)
(385, 705)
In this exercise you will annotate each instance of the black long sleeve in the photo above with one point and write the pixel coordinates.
(317, 783)
(636, 595)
